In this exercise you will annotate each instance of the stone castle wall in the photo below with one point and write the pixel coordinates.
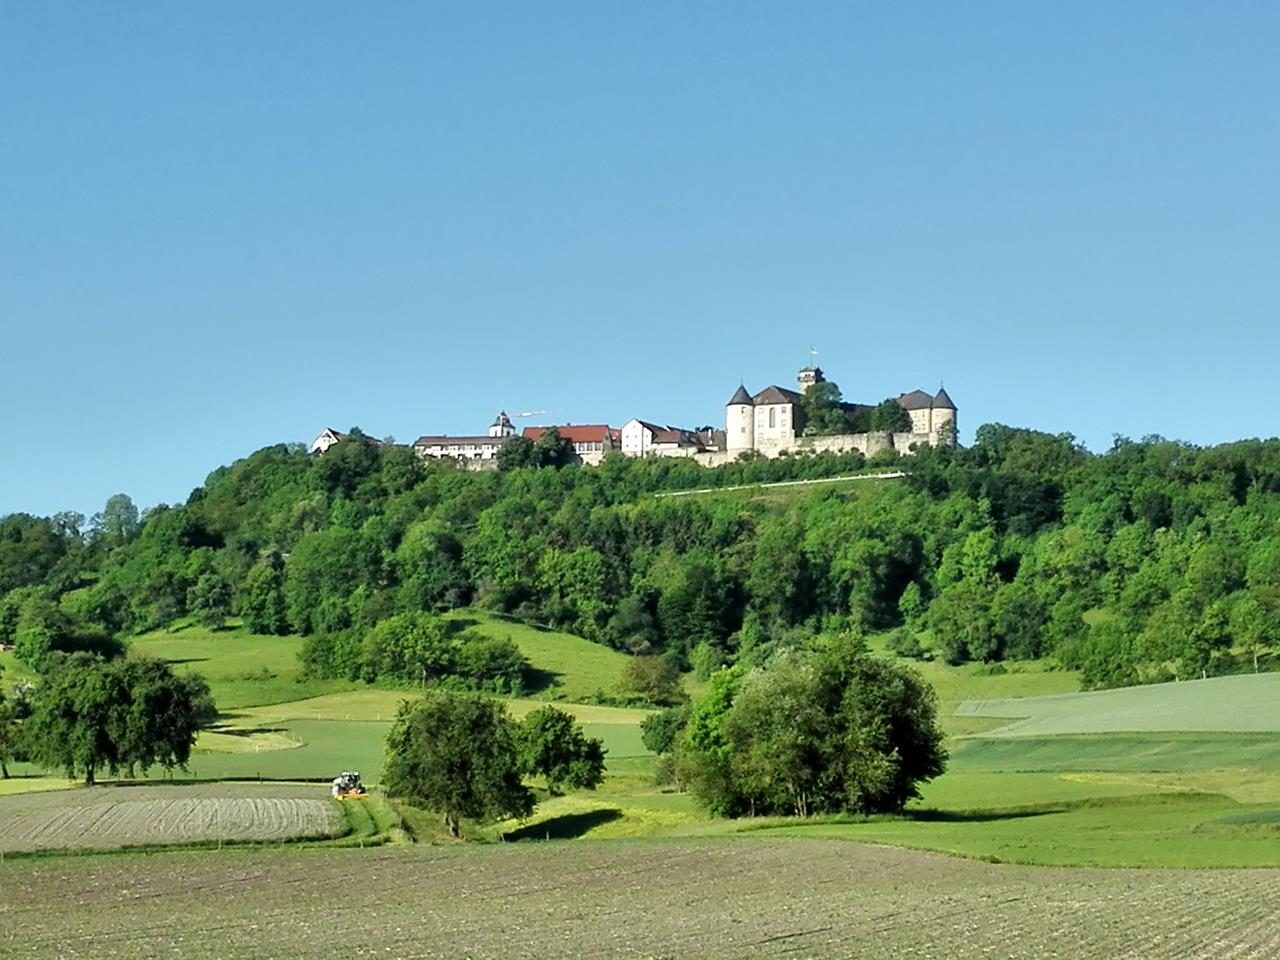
(867, 444)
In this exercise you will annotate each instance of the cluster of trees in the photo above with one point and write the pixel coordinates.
(88, 715)
(826, 729)
(464, 756)
(824, 413)
(1152, 560)
(418, 648)
(549, 450)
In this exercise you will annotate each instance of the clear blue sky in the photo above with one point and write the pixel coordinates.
(227, 225)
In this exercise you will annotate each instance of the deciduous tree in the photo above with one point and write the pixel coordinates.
(553, 746)
(652, 679)
(458, 755)
(825, 730)
(92, 715)
(209, 600)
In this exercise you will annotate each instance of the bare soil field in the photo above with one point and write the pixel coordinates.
(103, 818)
(722, 898)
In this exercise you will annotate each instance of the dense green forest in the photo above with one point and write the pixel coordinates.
(1153, 560)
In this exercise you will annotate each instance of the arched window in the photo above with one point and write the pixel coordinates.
(773, 412)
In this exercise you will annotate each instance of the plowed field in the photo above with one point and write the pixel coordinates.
(103, 818)
(727, 898)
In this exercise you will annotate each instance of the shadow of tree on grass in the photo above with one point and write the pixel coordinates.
(928, 815)
(565, 827)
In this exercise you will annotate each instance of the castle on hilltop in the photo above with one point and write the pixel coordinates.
(770, 423)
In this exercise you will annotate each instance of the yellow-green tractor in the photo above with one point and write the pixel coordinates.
(347, 786)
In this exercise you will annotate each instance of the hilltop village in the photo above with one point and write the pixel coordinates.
(770, 423)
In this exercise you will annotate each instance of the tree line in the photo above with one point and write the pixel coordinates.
(89, 716)
(1152, 560)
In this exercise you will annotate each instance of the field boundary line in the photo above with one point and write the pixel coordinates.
(892, 475)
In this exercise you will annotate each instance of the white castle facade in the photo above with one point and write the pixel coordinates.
(770, 423)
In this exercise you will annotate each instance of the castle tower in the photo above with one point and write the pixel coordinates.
(502, 426)
(808, 376)
(943, 414)
(740, 422)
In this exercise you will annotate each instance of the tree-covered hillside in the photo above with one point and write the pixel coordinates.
(1153, 560)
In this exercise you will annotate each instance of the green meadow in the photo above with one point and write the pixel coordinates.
(1179, 774)
(277, 723)
(1243, 704)
(243, 669)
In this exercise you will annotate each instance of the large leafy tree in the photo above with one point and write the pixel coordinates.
(117, 523)
(43, 627)
(429, 564)
(820, 731)
(91, 715)
(890, 415)
(821, 410)
(659, 731)
(652, 679)
(262, 602)
(553, 450)
(459, 755)
(209, 600)
(412, 647)
(321, 574)
(32, 548)
(517, 452)
(553, 746)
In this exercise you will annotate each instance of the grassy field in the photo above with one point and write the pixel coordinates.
(1158, 752)
(12, 670)
(243, 669)
(1177, 775)
(1244, 704)
(32, 783)
(571, 668)
(317, 738)
(1160, 797)
(279, 725)
(1170, 829)
(769, 897)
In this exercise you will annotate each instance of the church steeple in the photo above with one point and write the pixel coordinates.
(502, 426)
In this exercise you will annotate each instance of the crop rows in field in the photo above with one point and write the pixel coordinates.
(736, 898)
(111, 817)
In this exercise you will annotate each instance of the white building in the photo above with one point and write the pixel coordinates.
(467, 448)
(329, 436)
(640, 438)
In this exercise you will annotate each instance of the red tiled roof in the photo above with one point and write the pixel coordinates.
(574, 432)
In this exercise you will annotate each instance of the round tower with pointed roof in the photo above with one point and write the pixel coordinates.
(943, 415)
(740, 422)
